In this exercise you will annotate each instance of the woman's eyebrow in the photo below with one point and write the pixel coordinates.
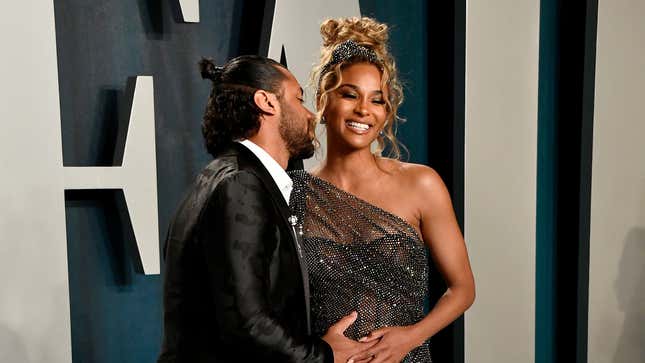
(356, 88)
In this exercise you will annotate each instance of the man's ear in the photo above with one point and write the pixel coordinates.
(266, 101)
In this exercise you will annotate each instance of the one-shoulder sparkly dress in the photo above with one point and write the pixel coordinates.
(359, 257)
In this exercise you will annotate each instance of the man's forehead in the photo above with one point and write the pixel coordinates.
(290, 81)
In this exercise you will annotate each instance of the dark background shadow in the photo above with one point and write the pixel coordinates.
(108, 125)
(116, 247)
(152, 18)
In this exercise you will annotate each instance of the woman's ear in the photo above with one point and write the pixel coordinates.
(266, 101)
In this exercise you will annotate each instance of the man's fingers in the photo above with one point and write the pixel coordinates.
(344, 323)
(375, 335)
(362, 361)
(369, 345)
(380, 359)
(380, 356)
(371, 349)
(369, 338)
(364, 356)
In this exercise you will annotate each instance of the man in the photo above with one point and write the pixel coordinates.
(235, 282)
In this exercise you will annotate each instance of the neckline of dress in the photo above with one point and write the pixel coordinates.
(370, 205)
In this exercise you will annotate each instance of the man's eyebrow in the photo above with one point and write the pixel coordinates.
(302, 92)
(355, 88)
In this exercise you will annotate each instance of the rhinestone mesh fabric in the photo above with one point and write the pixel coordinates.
(361, 258)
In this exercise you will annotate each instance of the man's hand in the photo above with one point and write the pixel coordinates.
(342, 346)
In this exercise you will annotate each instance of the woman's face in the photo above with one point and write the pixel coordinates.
(356, 111)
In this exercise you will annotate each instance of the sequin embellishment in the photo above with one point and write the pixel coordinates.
(360, 258)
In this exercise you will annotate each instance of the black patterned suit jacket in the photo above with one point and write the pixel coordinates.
(235, 285)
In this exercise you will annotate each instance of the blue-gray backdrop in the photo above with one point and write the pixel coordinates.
(115, 312)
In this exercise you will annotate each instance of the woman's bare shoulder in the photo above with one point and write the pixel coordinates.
(416, 177)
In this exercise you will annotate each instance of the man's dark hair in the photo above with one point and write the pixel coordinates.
(231, 113)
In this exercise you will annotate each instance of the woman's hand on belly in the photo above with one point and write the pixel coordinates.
(394, 343)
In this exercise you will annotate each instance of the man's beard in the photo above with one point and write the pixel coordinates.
(299, 142)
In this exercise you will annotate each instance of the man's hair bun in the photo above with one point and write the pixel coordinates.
(209, 70)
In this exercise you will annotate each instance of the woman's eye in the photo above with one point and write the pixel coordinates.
(379, 102)
(349, 95)
(302, 100)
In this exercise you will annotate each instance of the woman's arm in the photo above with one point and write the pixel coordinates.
(441, 233)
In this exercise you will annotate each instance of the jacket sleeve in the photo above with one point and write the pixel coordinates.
(239, 242)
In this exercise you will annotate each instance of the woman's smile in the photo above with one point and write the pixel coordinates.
(358, 127)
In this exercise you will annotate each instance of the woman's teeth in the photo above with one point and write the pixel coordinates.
(358, 125)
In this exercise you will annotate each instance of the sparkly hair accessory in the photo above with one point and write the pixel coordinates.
(349, 49)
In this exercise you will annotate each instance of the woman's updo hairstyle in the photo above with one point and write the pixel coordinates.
(367, 40)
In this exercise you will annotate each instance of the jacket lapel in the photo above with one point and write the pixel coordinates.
(250, 161)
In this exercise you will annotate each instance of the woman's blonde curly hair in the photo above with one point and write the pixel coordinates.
(373, 35)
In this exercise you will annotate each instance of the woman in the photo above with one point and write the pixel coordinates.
(366, 217)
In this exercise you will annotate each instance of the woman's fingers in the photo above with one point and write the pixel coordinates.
(371, 354)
